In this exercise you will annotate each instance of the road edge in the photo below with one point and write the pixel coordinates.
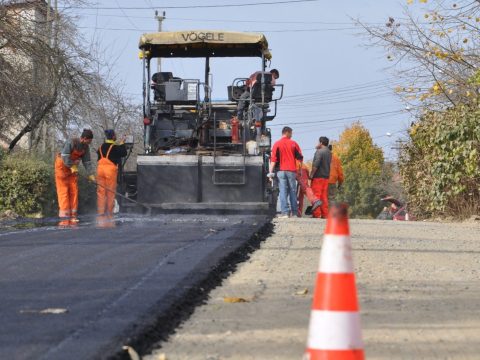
(146, 338)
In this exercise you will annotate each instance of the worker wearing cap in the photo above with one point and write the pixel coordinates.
(66, 173)
(336, 177)
(109, 158)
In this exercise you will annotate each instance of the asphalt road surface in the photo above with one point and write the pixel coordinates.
(82, 293)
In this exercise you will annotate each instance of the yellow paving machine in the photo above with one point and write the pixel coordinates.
(200, 154)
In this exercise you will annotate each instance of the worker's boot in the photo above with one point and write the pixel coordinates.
(64, 222)
(315, 205)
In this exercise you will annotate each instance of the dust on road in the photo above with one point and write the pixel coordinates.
(418, 286)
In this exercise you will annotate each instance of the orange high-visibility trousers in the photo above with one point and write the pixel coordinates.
(106, 186)
(304, 190)
(67, 189)
(320, 189)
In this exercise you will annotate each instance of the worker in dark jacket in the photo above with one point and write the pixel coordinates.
(66, 174)
(320, 174)
(109, 158)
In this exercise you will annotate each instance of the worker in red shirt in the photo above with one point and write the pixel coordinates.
(285, 153)
(244, 98)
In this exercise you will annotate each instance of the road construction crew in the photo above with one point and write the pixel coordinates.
(320, 174)
(66, 173)
(336, 177)
(109, 158)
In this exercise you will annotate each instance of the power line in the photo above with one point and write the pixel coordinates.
(253, 31)
(337, 97)
(331, 112)
(372, 137)
(262, 21)
(340, 119)
(353, 87)
(149, 3)
(350, 99)
(305, 30)
(194, 6)
(304, 129)
(126, 16)
(343, 121)
(266, 21)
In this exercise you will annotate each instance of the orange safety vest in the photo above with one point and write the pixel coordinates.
(336, 171)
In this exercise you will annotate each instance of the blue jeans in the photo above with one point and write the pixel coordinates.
(287, 184)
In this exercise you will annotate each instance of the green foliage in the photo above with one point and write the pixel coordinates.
(362, 164)
(440, 164)
(25, 184)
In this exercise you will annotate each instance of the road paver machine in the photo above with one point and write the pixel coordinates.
(201, 154)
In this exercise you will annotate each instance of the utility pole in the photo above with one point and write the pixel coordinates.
(160, 19)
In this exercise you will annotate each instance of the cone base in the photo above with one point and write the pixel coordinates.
(313, 354)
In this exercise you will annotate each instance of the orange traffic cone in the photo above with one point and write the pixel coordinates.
(334, 332)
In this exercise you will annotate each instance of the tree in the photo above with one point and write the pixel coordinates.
(50, 83)
(362, 163)
(440, 163)
(436, 58)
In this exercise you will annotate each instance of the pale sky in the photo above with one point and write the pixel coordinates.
(331, 78)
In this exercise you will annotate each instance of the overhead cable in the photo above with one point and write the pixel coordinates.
(339, 119)
(193, 6)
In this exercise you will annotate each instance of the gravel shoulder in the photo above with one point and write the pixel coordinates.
(418, 286)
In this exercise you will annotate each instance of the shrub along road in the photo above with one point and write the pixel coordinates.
(83, 293)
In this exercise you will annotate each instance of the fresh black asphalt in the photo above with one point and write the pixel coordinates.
(113, 282)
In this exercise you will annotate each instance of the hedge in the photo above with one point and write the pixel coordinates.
(27, 186)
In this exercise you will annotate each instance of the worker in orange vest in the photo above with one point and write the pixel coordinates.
(109, 158)
(66, 174)
(336, 177)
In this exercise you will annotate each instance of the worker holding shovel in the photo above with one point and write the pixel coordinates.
(110, 156)
(66, 174)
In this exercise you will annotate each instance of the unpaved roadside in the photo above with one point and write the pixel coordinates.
(418, 285)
